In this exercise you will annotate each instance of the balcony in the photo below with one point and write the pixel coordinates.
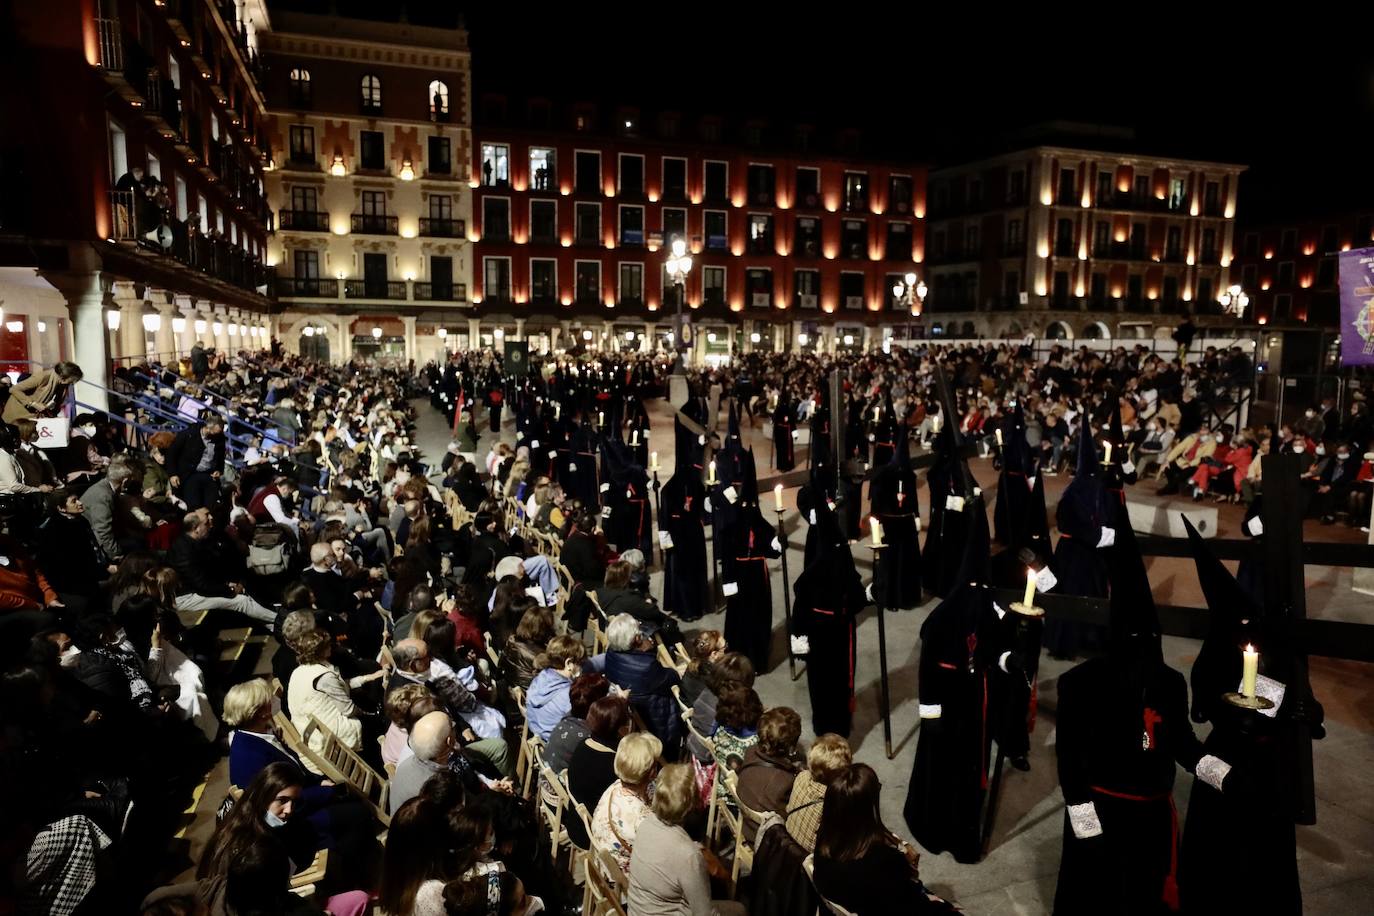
(440, 292)
(442, 227)
(375, 289)
(373, 224)
(371, 108)
(307, 288)
(303, 159)
(141, 226)
(303, 220)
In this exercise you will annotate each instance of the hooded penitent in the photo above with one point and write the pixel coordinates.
(950, 485)
(683, 537)
(1085, 512)
(748, 543)
(1022, 522)
(892, 495)
(1123, 727)
(829, 596)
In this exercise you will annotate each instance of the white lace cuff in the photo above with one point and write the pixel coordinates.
(1002, 660)
(1045, 580)
(1212, 770)
(1107, 538)
(931, 711)
(801, 645)
(1255, 526)
(1083, 820)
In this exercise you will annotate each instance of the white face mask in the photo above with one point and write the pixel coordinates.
(68, 658)
(1310, 414)
(1342, 455)
(1321, 450)
(1299, 448)
(88, 431)
(273, 821)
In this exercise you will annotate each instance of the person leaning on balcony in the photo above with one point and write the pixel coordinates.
(41, 394)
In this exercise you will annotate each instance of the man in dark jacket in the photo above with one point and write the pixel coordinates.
(204, 585)
(195, 461)
(629, 663)
(68, 552)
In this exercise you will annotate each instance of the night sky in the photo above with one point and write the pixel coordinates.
(1295, 101)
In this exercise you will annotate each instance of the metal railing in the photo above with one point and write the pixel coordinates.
(374, 223)
(440, 292)
(442, 227)
(109, 44)
(375, 289)
(313, 287)
(303, 220)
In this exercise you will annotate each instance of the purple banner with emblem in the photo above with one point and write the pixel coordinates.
(1357, 307)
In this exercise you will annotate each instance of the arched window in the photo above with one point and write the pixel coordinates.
(438, 101)
(372, 93)
(300, 87)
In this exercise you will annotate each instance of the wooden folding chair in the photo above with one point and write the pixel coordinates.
(342, 764)
(689, 720)
(554, 803)
(809, 866)
(607, 885)
(744, 850)
(303, 882)
(389, 767)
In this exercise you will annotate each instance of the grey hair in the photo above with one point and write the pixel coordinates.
(296, 624)
(635, 557)
(123, 468)
(621, 633)
(406, 655)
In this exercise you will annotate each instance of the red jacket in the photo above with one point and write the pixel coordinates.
(23, 586)
(468, 632)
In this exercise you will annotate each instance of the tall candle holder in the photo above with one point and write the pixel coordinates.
(786, 582)
(1244, 702)
(878, 544)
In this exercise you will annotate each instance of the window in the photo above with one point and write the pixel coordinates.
(760, 234)
(1138, 240)
(544, 221)
(1205, 291)
(587, 172)
(808, 237)
(1141, 194)
(1067, 180)
(971, 241)
(1326, 274)
(1283, 305)
(975, 192)
(1102, 239)
(937, 244)
(852, 290)
(808, 188)
(496, 279)
(941, 190)
(1060, 289)
(587, 230)
(631, 283)
(855, 192)
(1249, 276)
(371, 150)
(441, 278)
(807, 284)
(1015, 238)
(1063, 238)
(898, 242)
(854, 238)
(1211, 200)
(716, 239)
(299, 87)
(1135, 290)
(1209, 245)
(495, 165)
(438, 101)
(1251, 245)
(1330, 239)
(302, 144)
(588, 281)
(543, 279)
(374, 203)
(1288, 242)
(758, 283)
(631, 174)
(181, 197)
(899, 193)
(1105, 195)
(1170, 296)
(1173, 244)
(715, 178)
(674, 178)
(713, 285)
(674, 224)
(1016, 187)
(710, 130)
(372, 94)
(1178, 193)
(543, 174)
(1285, 273)
(1011, 287)
(305, 199)
(761, 184)
(440, 156)
(306, 264)
(1099, 289)
(631, 225)
(496, 219)
(440, 207)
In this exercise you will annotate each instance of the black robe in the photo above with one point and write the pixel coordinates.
(897, 581)
(784, 423)
(828, 598)
(685, 581)
(1122, 727)
(1078, 563)
(960, 644)
(749, 610)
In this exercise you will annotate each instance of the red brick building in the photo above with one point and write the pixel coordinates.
(796, 237)
(1288, 267)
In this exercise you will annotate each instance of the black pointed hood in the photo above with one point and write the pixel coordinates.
(1086, 465)
(974, 565)
(1135, 630)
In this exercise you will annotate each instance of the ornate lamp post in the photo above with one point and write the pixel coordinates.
(910, 292)
(678, 265)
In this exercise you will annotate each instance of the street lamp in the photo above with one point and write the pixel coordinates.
(678, 265)
(1235, 301)
(910, 292)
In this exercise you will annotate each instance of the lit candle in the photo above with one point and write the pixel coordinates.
(877, 529)
(999, 437)
(634, 438)
(653, 461)
(557, 411)
(711, 473)
(777, 496)
(935, 423)
(1109, 452)
(600, 418)
(1029, 600)
(1249, 671)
